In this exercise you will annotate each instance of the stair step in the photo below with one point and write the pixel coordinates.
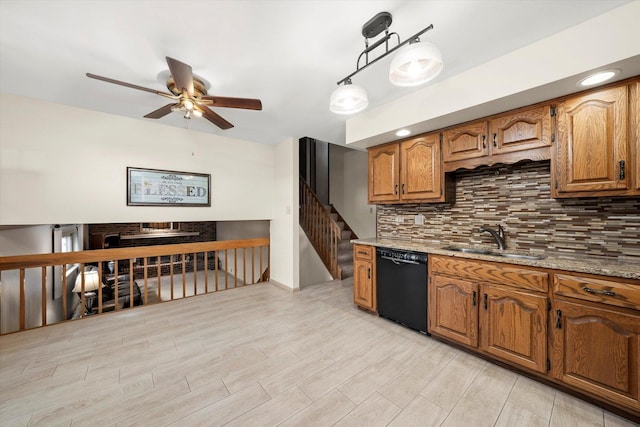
(346, 234)
(347, 271)
(345, 245)
(344, 251)
(346, 257)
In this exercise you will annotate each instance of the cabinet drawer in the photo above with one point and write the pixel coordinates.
(364, 252)
(598, 290)
(501, 274)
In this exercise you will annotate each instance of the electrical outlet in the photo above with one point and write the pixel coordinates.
(399, 219)
(418, 219)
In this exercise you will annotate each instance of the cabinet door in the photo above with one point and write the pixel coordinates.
(453, 309)
(465, 142)
(363, 284)
(384, 173)
(514, 326)
(597, 350)
(522, 130)
(420, 173)
(592, 148)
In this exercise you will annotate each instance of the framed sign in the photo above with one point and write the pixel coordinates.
(153, 187)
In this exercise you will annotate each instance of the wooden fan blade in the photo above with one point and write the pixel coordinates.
(182, 75)
(215, 118)
(244, 103)
(160, 112)
(132, 86)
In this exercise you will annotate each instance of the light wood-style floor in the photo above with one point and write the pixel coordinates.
(259, 355)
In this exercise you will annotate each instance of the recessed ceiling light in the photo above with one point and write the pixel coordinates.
(599, 77)
(403, 132)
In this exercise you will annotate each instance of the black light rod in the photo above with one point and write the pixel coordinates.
(410, 39)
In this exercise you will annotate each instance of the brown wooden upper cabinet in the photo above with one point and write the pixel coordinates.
(407, 171)
(507, 138)
(595, 153)
(465, 142)
(384, 173)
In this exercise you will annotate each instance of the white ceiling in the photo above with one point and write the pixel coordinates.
(288, 53)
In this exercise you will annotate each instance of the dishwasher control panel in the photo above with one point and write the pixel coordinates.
(399, 255)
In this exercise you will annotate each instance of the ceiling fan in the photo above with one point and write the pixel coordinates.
(190, 96)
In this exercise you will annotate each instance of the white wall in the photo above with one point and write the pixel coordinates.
(348, 171)
(61, 164)
(312, 269)
(284, 225)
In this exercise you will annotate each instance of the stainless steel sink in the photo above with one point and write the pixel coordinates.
(480, 251)
(469, 250)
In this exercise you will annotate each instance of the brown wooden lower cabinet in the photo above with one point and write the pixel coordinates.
(506, 323)
(583, 333)
(364, 277)
(597, 350)
(514, 326)
(453, 309)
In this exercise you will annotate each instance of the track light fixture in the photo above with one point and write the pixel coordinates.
(415, 63)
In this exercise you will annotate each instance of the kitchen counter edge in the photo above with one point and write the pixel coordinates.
(552, 261)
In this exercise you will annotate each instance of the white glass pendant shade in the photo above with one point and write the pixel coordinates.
(415, 64)
(348, 99)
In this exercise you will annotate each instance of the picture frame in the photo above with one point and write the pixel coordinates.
(158, 187)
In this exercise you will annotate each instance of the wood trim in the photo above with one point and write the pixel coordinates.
(38, 260)
(498, 273)
(321, 229)
(123, 257)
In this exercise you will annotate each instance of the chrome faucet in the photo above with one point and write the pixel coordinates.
(497, 235)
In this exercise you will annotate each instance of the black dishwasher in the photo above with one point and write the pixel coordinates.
(402, 287)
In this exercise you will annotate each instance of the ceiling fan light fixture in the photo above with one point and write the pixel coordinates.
(189, 96)
(415, 64)
(348, 99)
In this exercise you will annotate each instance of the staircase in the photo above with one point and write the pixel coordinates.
(345, 248)
(328, 232)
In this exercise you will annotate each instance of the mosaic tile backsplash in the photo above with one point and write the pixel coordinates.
(519, 198)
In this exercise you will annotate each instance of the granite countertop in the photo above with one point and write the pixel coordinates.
(581, 264)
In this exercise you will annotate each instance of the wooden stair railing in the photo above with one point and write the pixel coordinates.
(323, 232)
(140, 263)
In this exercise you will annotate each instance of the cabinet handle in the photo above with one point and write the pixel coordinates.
(402, 188)
(621, 163)
(485, 301)
(474, 299)
(558, 319)
(369, 273)
(495, 144)
(599, 292)
(484, 138)
(363, 253)
(395, 189)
